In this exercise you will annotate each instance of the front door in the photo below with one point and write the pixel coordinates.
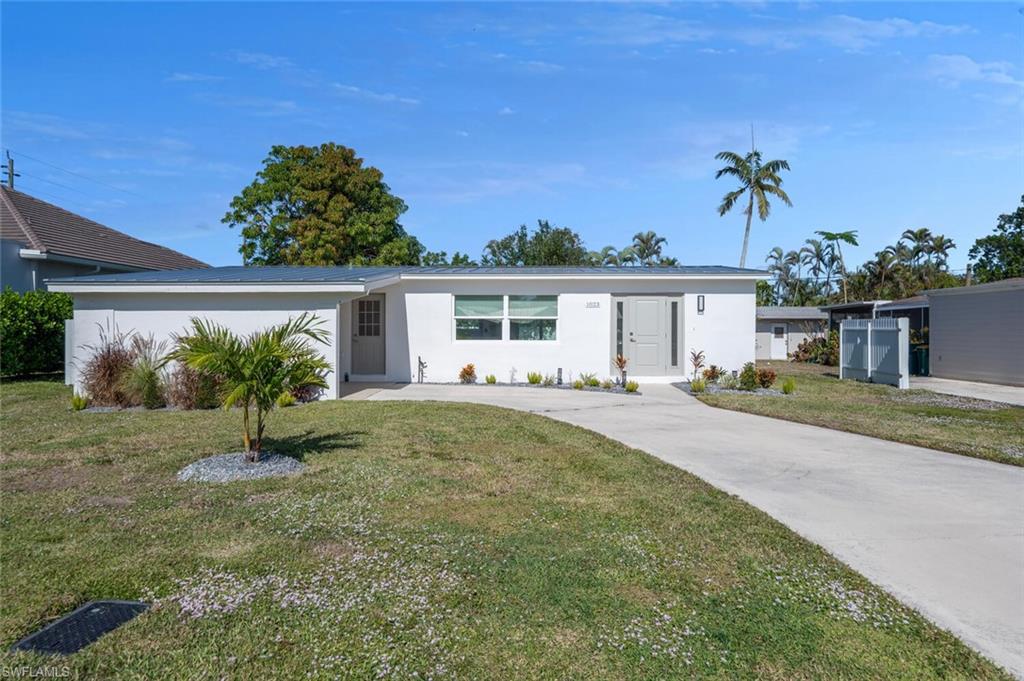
(368, 335)
(780, 341)
(649, 335)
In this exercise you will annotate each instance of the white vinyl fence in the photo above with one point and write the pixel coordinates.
(875, 350)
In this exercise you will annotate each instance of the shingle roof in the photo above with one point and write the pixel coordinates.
(338, 275)
(48, 228)
(789, 312)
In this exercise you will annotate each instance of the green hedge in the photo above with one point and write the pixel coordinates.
(32, 331)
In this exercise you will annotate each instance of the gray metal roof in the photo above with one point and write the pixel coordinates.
(356, 275)
(905, 303)
(789, 312)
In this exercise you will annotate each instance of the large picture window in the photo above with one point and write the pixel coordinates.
(479, 317)
(533, 318)
(530, 318)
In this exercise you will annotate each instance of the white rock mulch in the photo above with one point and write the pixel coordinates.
(232, 467)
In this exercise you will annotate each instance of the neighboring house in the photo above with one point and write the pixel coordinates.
(977, 332)
(383, 321)
(781, 329)
(40, 241)
(915, 309)
(860, 309)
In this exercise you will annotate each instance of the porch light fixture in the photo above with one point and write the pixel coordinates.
(700, 304)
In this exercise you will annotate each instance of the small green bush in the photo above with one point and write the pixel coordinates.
(789, 385)
(143, 382)
(607, 384)
(698, 385)
(632, 386)
(491, 379)
(549, 380)
(286, 400)
(728, 381)
(534, 378)
(577, 384)
(748, 377)
(468, 374)
(79, 402)
(32, 331)
(590, 380)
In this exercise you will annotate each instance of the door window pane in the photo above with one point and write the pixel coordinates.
(478, 329)
(618, 327)
(675, 333)
(533, 329)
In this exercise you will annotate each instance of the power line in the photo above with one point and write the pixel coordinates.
(58, 184)
(62, 199)
(84, 177)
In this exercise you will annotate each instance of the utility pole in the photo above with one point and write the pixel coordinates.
(10, 170)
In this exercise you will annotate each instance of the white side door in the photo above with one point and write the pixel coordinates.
(368, 335)
(780, 341)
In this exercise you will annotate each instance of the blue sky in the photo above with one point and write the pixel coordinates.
(601, 117)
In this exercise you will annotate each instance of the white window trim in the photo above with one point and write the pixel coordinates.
(506, 319)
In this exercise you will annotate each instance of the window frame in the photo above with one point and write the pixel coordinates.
(515, 318)
(499, 318)
(506, 318)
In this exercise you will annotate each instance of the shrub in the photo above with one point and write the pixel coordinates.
(307, 393)
(698, 385)
(491, 379)
(549, 380)
(577, 384)
(819, 349)
(765, 377)
(534, 378)
(728, 382)
(696, 361)
(748, 377)
(607, 384)
(590, 380)
(191, 389)
(105, 370)
(632, 386)
(467, 374)
(143, 382)
(32, 331)
(286, 400)
(620, 364)
(713, 373)
(79, 402)
(789, 386)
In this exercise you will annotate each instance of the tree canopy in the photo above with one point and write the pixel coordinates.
(757, 180)
(320, 206)
(1000, 255)
(546, 245)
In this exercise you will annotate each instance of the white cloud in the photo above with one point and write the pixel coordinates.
(462, 133)
(362, 93)
(464, 182)
(45, 125)
(955, 69)
(261, 60)
(843, 31)
(506, 111)
(644, 28)
(180, 77)
(538, 66)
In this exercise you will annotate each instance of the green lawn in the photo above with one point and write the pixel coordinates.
(448, 540)
(916, 417)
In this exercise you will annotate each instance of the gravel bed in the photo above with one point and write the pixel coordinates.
(1014, 451)
(930, 399)
(617, 390)
(231, 467)
(712, 389)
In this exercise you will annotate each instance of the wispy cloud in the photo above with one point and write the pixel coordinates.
(180, 77)
(956, 69)
(254, 106)
(466, 182)
(843, 31)
(47, 126)
(363, 93)
(261, 60)
(643, 28)
(506, 111)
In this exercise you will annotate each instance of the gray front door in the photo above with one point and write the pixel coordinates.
(652, 328)
(368, 335)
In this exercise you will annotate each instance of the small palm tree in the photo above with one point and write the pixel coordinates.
(920, 240)
(837, 239)
(647, 246)
(256, 369)
(940, 247)
(757, 180)
(816, 256)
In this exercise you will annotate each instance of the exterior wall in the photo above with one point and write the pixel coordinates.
(163, 314)
(419, 321)
(799, 331)
(26, 274)
(978, 336)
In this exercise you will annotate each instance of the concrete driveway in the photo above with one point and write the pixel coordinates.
(944, 533)
(982, 391)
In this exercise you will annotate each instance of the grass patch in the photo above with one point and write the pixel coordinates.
(438, 539)
(915, 417)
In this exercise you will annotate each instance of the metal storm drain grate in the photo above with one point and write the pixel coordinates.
(74, 631)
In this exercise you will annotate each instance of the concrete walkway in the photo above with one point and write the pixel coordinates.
(981, 391)
(942, 532)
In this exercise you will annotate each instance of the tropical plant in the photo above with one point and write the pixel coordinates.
(765, 377)
(490, 379)
(109, 361)
(607, 384)
(620, 363)
(79, 402)
(713, 373)
(577, 384)
(286, 400)
(143, 382)
(548, 380)
(590, 380)
(467, 374)
(631, 386)
(748, 377)
(837, 239)
(191, 389)
(728, 382)
(696, 361)
(533, 377)
(257, 369)
(758, 180)
(647, 246)
(789, 385)
(698, 385)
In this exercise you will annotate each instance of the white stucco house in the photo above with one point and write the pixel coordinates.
(384, 320)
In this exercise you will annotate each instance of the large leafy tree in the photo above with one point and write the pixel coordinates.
(1000, 255)
(256, 370)
(320, 206)
(758, 180)
(546, 245)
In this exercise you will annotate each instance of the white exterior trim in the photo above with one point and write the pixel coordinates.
(213, 287)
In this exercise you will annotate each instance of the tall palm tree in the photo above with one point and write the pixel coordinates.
(606, 257)
(883, 265)
(920, 240)
(816, 256)
(775, 260)
(757, 180)
(838, 239)
(647, 246)
(256, 370)
(940, 247)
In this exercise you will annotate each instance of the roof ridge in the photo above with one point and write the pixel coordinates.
(23, 222)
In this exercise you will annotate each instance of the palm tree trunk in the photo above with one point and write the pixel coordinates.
(746, 232)
(842, 266)
(246, 440)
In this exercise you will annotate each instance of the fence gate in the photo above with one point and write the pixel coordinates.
(875, 350)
